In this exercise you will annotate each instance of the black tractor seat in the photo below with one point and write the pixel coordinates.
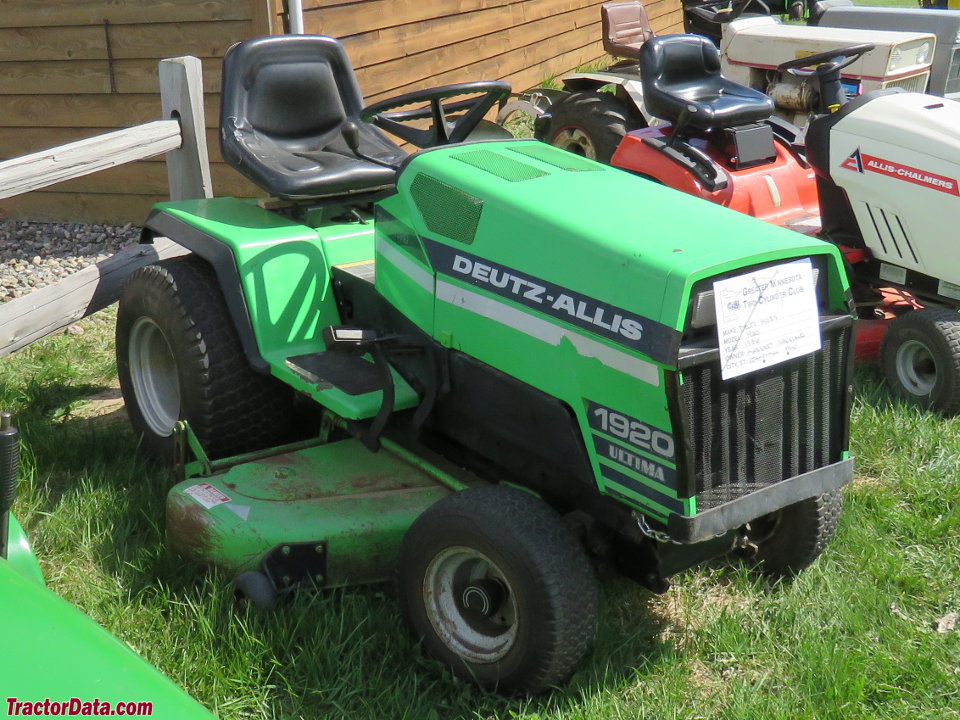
(683, 85)
(286, 101)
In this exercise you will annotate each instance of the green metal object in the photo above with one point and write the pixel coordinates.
(430, 469)
(284, 272)
(62, 656)
(511, 195)
(339, 510)
(563, 224)
(20, 554)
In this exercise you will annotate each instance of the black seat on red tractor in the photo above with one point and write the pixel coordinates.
(284, 105)
(682, 83)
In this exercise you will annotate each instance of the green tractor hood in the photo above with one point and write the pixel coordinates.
(623, 240)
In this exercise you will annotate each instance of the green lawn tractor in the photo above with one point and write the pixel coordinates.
(58, 661)
(478, 368)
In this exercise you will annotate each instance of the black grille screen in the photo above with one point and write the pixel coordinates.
(446, 210)
(763, 427)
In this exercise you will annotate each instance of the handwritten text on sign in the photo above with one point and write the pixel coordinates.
(766, 317)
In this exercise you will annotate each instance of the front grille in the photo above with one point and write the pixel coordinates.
(755, 430)
(953, 74)
(891, 234)
(915, 83)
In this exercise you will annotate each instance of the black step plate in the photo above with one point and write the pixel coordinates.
(351, 374)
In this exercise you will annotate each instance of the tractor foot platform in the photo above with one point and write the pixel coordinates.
(350, 385)
(352, 374)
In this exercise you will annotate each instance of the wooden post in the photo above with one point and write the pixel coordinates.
(181, 97)
(266, 18)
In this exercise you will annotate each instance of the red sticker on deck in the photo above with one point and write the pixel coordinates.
(207, 495)
(861, 162)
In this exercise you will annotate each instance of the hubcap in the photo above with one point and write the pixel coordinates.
(153, 371)
(916, 368)
(470, 605)
(575, 140)
(482, 598)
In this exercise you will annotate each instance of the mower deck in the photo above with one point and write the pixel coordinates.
(332, 514)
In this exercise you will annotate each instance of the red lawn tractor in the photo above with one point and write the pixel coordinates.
(876, 175)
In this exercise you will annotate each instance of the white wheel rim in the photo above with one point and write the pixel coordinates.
(575, 140)
(916, 368)
(153, 371)
(449, 577)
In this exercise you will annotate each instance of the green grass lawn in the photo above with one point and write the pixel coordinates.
(854, 637)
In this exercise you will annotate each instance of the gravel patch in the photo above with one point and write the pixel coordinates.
(33, 255)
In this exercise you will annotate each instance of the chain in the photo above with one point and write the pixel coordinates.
(658, 535)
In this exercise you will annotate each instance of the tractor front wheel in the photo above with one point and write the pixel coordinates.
(590, 124)
(790, 539)
(920, 354)
(497, 587)
(179, 358)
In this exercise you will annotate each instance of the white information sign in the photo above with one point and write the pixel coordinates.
(766, 317)
(207, 495)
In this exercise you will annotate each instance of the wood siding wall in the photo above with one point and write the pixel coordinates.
(403, 45)
(73, 69)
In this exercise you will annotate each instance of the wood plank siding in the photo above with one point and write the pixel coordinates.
(71, 69)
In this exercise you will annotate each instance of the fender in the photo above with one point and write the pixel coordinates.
(578, 82)
(224, 264)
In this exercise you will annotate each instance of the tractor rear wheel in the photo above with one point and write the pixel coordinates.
(497, 587)
(179, 358)
(920, 355)
(590, 124)
(790, 539)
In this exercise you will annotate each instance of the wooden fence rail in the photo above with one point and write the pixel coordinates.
(180, 135)
(66, 162)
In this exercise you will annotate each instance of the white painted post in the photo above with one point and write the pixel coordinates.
(181, 97)
(295, 13)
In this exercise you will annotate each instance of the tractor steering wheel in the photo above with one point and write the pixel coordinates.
(827, 71)
(722, 12)
(442, 131)
(827, 62)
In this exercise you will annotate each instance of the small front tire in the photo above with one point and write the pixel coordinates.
(920, 355)
(792, 538)
(498, 588)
